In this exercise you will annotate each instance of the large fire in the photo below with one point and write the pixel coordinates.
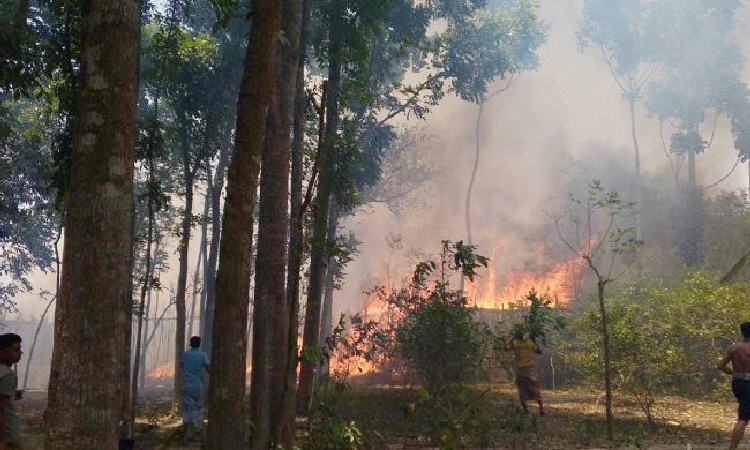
(557, 282)
(488, 291)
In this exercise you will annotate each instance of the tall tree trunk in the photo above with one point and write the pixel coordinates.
(144, 348)
(325, 187)
(210, 281)
(326, 325)
(183, 265)
(146, 286)
(204, 247)
(638, 186)
(270, 312)
(477, 148)
(87, 361)
(227, 387)
(607, 360)
(467, 205)
(142, 369)
(296, 236)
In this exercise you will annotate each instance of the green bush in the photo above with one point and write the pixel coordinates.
(666, 337)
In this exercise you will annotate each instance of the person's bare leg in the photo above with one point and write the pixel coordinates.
(737, 433)
(523, 400)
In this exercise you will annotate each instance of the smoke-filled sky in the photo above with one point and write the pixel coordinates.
(569, 109)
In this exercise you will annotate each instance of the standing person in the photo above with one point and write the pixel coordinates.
(10, 425)
(193, 363)
(739, 355)
(524, 350)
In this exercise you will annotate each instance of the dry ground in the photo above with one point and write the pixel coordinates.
(575, 420)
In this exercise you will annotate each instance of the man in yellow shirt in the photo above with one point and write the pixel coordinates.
(524, 351)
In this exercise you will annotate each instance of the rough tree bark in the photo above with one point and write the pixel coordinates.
(227, 387)
(318, 243)
(296, 235)
(87, 360)
(270, 312)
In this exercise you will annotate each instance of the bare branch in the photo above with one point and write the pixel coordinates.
(605, 235)
(508, 83)
(713, 132)
(565, 241)
(736, 163)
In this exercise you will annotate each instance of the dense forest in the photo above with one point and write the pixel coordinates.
(350, 224)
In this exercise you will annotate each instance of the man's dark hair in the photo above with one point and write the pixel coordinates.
(8, 339)
(745, 329)
(195, 341)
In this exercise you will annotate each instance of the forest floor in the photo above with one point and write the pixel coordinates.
(574, 420)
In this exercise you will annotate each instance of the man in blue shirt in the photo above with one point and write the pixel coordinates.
(193, 363)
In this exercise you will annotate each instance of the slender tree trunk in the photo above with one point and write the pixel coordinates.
(692, 182)
(477, 148)
(467, 205)
(270, 311)
(227, 387)
(638, 187)
(210, 282)
(144, 349)
(142, 371)
(204, 247)
(326, 325)
(325, 187)
(296, 236)
(87, 360)
(146, 286)
(183, 266)
(607, 360)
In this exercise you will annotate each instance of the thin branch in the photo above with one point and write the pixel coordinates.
(413, 99)
(736, 163)
(713, 132)
(604, 237)
(565, 241)
(511, 79)
(608, 61)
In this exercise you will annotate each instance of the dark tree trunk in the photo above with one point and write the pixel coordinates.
(210, 282)
(86, 379)
(326, 326)
(270, 312)
(296, 237)
(204, 248)
(325, 187)
(607, 360)
(145, 287)
(180, 308)
(227, 388)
